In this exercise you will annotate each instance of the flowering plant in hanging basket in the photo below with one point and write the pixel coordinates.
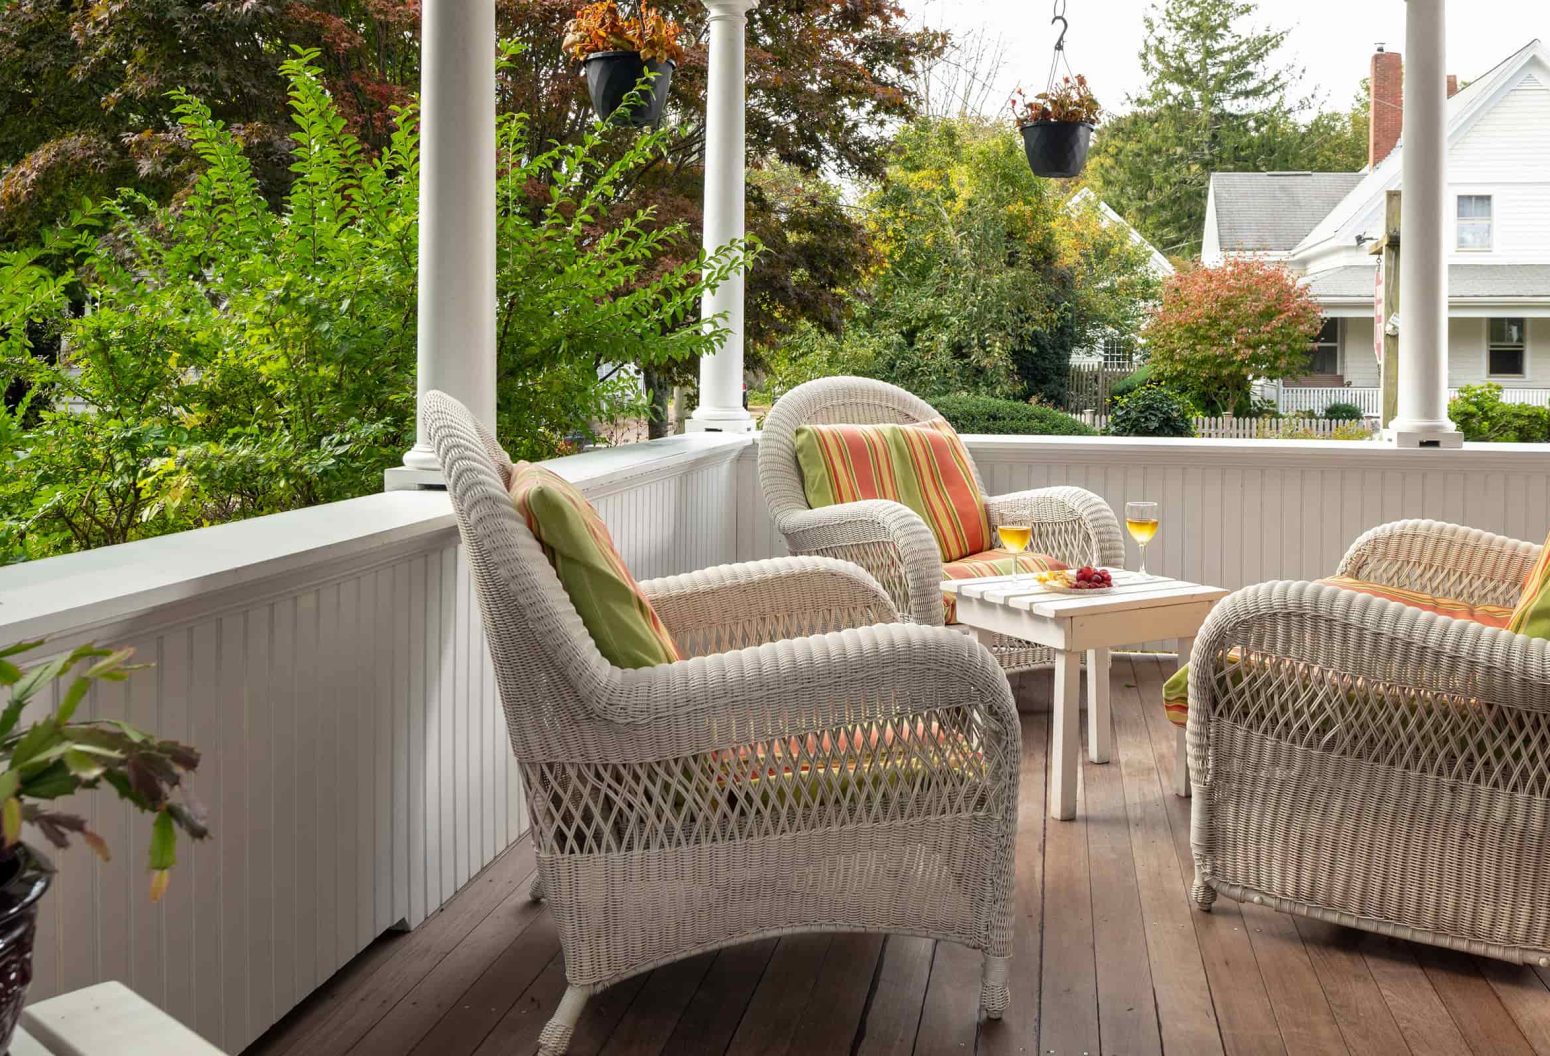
(1057, 126)
(617, 51)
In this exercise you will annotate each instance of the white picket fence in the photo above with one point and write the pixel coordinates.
(1292, 398)
(1230, 428)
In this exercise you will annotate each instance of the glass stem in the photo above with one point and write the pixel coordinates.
(1143, 560)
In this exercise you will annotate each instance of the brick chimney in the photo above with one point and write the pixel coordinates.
(1453, 85)
(1387, 87)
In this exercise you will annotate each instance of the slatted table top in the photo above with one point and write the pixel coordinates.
(1131, 591)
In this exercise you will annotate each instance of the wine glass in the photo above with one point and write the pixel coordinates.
(1015, 537)
(1141, 520)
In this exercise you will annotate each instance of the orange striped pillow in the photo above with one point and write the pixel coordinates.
(1490, 615)
(620, 619)
(1532, 616)
(925, 467)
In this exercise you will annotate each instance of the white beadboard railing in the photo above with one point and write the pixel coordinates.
(330, 666)
(1294, 398)
(1241, 512)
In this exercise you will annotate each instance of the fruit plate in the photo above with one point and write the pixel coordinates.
(1064, 582)
(1063, 588)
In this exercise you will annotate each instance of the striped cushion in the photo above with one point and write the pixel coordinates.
(1176, 689)
(1532, 616)
(617, 615)
(991, 563)
(925, 467)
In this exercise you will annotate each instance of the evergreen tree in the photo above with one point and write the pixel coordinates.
(1216, 100)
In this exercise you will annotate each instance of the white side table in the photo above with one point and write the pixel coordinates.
(1138, 609)
(108, 1019)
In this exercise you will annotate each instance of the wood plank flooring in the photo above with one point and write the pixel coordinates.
(1110, 958)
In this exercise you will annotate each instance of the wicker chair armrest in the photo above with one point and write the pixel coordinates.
(734, 606)
(1444, 559)
(1347, 674)
(847, 679)
(1069, 523)
(888, 539)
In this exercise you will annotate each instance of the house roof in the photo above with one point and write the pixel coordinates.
(1477, 96)
(1271, 212)
(1495, 282)
(1161, 266)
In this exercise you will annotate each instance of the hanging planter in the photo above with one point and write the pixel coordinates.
(628, 62)
(1057, 124)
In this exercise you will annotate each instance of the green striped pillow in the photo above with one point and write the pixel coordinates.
(925, 467)
(620, 619)
(1532, 616)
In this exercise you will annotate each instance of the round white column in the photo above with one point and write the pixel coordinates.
(721, 374)
(457, 214)
(1422, 420)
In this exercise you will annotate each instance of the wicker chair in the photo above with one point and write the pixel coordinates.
(1362, 762)
(861, 778)
(891, 541)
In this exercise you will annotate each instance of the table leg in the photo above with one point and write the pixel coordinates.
(1181, 741)
(1065, 736)
(1100, 730)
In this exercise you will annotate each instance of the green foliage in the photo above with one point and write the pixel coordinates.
(985, 280)
(1481, 414)
(1136, 379)
(1152, 411)
(55, 757)
(1216, 100)
(971, 413)
(1218, 328)
(1343, 412)
(238, 358)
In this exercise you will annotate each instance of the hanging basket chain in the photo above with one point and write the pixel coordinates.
(1058, 59)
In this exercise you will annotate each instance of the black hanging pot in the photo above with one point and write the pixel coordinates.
(612, 75)
(24, 876)
(1057, 149)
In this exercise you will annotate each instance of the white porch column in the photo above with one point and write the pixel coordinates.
(457, 218)
(1422, 420)
(721, 374)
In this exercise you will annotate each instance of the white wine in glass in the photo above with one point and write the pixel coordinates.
(1141, 519)
(1015, 537)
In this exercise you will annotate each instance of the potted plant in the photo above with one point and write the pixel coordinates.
(617, 52)
(1057, 126)
(53, 756)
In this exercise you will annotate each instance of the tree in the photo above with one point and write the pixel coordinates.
(1218, 328)
(242, 358)
(985, 280)
(1217, 99)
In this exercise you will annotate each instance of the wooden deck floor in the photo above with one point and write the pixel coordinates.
(1110, 958)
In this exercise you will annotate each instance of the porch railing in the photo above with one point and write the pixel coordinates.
(1291, 399)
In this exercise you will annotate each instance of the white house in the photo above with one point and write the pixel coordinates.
(1119, 350)
(1322, 224)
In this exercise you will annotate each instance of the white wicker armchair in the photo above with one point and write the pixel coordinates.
(1376, 765)
(862, 778)
(890, 540)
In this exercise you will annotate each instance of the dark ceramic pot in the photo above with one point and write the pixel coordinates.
(24, 876)
(1057, 149)
(612, 75)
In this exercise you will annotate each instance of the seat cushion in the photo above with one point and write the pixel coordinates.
(1532, 616)
(991, 563)
(617, 615)
(1176, 689)
(925, 467)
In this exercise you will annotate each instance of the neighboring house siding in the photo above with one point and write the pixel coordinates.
(1506, 154)
(1466, 354)
(1358, 365)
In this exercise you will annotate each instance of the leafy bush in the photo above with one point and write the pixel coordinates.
(241, 358)
(1152, 411)
(970, 413)
(1137, 379)
(1343, 412)
(1219, 327)
(1481, 414)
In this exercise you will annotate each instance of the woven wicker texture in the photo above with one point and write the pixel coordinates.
(883, 789)
(892, 542)
(1377, 765)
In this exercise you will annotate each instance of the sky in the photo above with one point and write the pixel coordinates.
(1332, 40)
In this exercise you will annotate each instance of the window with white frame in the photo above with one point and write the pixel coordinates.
(1474, 222)
(1118, 352)
(1506, 348)
(1326, 349)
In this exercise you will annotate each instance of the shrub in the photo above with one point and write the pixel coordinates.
(1219, 327)
(1137, 379)
(1343, 412)
(1152, 411)
(985, 414)
(1481, 414)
